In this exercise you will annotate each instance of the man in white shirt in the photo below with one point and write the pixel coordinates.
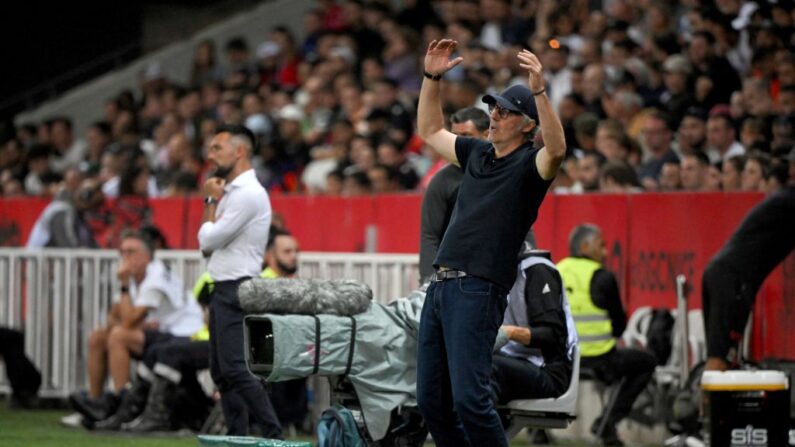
(153, 307)
(234, 233)
(721, 142)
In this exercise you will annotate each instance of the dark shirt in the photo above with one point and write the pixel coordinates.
(437, 207)
(547, 321)
(764, 238)
(725, 81)
(497, 204)
(605, 295)
(653, 167)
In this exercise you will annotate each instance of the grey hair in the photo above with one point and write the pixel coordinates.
(530, 136)
(580, 234)
(630, 100)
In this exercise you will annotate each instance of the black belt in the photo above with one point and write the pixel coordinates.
(442, 275)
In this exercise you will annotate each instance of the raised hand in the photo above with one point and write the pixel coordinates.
(530, 62)
(437, 58)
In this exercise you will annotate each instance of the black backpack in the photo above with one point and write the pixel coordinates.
(658, 336)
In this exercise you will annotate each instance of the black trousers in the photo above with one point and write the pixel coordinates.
(727, 302)
(636, 365)
(290, 401)
(513, 378)
(242, 394)
(24, 377)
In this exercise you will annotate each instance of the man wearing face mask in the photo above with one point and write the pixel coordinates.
(234, 233)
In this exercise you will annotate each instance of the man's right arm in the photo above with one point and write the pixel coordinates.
(430, 120)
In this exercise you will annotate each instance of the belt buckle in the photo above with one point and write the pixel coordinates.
(445, 273)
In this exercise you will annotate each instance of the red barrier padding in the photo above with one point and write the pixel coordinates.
(650, 239)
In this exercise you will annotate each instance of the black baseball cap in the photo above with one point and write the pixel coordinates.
(516, 98)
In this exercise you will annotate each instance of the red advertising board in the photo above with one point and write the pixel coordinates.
(650, 238)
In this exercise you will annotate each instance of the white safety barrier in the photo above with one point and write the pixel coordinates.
(57, 297)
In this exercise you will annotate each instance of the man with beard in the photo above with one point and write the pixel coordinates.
(234, 233)
(281, 261)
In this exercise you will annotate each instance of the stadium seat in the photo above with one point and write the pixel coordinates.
(545, 413)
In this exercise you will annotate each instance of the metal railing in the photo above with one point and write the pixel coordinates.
(57, 297)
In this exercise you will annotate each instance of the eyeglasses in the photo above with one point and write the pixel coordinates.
(502, 112)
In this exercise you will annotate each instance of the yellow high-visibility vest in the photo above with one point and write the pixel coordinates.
(594, 329)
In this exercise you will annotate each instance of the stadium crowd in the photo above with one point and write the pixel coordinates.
(654, 96)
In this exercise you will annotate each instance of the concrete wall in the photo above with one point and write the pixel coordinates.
(85, 104)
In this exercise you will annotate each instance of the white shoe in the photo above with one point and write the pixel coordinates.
(74, 420)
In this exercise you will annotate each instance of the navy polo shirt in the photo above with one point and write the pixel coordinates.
(497, 204)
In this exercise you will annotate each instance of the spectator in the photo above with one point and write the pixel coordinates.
(557, 75)
(753, 130)
(657, 137)
(731, 173)
(63, 223)
(715, 77)
(677, 97)
(670, 177)
(67, 151)
(391, 154)
(205, 67)
(713, 179)
(691, 135)
(786, 100)
(385, 92)
(695, 169)
(38, 167)
(721, 142)
(589, 166)
(357, 183)
(501, 27)
(239, 68)
(618, 177)
(98, 137)
(600, 318)
(383, 179)
(756, 169)
(585, 131)
(612, 142)
(335, 182)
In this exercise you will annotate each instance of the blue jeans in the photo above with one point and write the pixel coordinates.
(458, 326)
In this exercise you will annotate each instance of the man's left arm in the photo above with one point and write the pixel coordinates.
(605, 294)
(551, 155)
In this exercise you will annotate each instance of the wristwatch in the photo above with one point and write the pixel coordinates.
(210, 200)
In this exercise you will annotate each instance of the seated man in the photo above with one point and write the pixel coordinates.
(153, 307)
(599, 316)
(538, 335)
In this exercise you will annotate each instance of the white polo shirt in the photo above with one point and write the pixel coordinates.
(238, 237)
(170, 305)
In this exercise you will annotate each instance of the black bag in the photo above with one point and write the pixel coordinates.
(658, 336)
